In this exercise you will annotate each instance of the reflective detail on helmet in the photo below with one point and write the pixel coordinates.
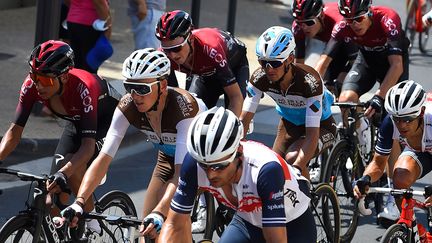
(353, 8)
(52, 58)
(307, 9)
(214, 134)
(145, 64)
(276, 43)
(174, 24)
(405, 99)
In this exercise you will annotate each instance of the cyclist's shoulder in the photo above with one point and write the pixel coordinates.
(126, 103)
(306, 80)
(259, 78)
(181, 104)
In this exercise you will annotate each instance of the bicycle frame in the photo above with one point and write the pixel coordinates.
(416, 231)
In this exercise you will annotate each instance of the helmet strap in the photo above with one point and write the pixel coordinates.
(60, 90)
(155, 105)
(286, 70)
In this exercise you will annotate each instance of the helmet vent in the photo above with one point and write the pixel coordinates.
(232, 137)
(218, 134)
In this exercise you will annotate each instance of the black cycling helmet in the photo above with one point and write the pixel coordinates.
(174, 24)
(353, 8)
(306, 9)
(52, 58)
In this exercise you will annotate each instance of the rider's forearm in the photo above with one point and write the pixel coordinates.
(81, 157)
(392, 76)
(246, 118)
(376, 167)
(94, 175)
(308, 147)
(323, 64)
(164, 205)
(10, 140)
(176, 232)
(236, 104)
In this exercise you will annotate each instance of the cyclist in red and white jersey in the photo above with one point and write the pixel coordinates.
(270, 196)
(383, 54)
(83, 99)
(314, 19)
(409, 122)
(163, 114)
(215, 55)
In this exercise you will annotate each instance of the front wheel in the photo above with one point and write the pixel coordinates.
(17, 229)
(395, 233)
(325, 208)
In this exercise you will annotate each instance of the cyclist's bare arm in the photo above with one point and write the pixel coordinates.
(235, 97)
(275, 234)
(177, 228)
(375, 170)
(81, 157)
(10, 140)
(308, 148)
(246, 118)
(94, 175)
(322, 64)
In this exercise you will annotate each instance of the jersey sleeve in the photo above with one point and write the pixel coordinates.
(181, 149)
(385, 137)
(314, 103)
(224, 75)
(270, 186)
(115, 134)
(27, 98)
(253, 93)
(184, 196)
(391, 24)
(89, 96)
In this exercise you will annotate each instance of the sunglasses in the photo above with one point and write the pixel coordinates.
(175, 48)
(357, 19)
(270, 64)
(404, 119)
(140, 89)
(220, 165)
(45, 81)
(307, 22)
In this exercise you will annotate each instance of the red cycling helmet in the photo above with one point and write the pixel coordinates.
(174, 24)
(52, 58)
(306, 9)
(353, 8)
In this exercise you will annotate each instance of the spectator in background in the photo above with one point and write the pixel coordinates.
(63, 32)
(88, 22)
(144, 15)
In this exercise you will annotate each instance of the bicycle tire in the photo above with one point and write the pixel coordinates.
(17, 229)
(210, 213)
(395, 233)
(340, 178)
(114, 203)
(324, 200)
(424, 35)
(410, 24)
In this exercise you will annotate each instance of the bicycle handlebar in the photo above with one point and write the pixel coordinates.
(125, 221)
(406, 192)
(350, 104)
(23, 175)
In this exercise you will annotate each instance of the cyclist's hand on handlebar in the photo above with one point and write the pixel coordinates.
(361, 186)
(428, 201)
(154, 223)
(72, 213)
(57, 179)
(375, 106)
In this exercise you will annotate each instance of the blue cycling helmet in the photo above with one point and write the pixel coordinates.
(276, 43)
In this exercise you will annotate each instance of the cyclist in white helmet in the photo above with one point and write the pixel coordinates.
(160, 112)
(270, 196)
(409, 122)
(301, 99)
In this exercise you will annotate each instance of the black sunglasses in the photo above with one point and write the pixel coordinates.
(308, 22)
(214, 167)
(404, 119)
(270, 64)
(141, 89)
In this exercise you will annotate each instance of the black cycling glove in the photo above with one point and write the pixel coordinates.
(362, 182)
(61, 179)
(377, 104)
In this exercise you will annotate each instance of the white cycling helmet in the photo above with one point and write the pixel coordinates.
(276, 43)
(214, 134)
(146, 63)
(405, 99)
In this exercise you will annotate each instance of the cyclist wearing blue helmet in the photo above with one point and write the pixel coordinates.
(301, 99)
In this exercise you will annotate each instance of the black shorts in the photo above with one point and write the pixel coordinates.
(288, 133)
(208, 89)
(369, 68)
(341, 61)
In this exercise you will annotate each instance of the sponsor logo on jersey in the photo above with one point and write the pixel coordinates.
(217, 57)
(185, 105)
(85, 97)
(292, 195)
(312, 82)
(275, 206)
(316, 106)
(276, 195)
(250, 204)
(391, 26)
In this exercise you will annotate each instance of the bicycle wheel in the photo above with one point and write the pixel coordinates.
(410, 22)
(343, 167)
(18, 229)
(325, 209)
(115, 203)
(397, 233)
(424, 35)
(210, 213)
